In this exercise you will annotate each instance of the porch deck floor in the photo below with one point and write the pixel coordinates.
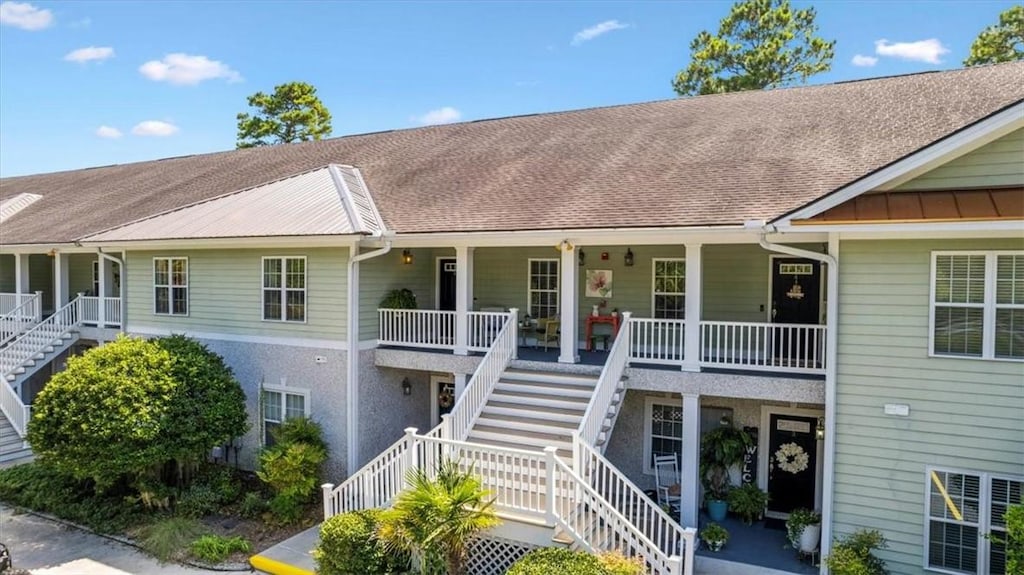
(757, 545)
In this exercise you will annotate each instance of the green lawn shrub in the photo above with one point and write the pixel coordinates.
(170, 538)
(216, 549)
(349, 546)
(852, 555)
(552, 560)
(291, 467)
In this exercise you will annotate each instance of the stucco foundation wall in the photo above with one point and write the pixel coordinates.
(292, 367)
(384, 411)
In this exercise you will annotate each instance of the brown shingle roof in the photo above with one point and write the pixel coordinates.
(710, 160)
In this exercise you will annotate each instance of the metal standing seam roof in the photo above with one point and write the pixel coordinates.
(330, 200)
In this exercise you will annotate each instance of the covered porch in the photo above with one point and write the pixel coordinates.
(692, 307)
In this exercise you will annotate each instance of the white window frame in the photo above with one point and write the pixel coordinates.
(649, 403)
(284, 290)
(171, 285)
(285, 392)
(988, 322)
(530, 291)
(654, 278)
(984, 516)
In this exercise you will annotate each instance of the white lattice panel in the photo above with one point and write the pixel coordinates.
(494, 555)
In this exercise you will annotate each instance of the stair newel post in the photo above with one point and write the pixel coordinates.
(326, 489)
(411, 459)
(76, 309)
(513, 326)
(675, 565)
(626, 331)
(37, 307)
(446, 427)
(690, 540)
(550, 453)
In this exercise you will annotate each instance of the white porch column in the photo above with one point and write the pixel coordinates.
(690, 465)
(21, 284)
(61, 291)
(101, 291)
(461, 379)
(463, 297)
(568, 288)
(694, 298)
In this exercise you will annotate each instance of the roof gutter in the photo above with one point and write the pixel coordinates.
(352, 361)
(831, 321)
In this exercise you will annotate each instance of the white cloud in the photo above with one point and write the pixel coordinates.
(922, 51)
(108, 132)
(864, 61)
(596, 30)
(83, 55)
(154, 128)
(185, 70)
(24, 15)
(445, 115)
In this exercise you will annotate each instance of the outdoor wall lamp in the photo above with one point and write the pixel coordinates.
(406, 387)
(819, 432)
(583, 257)
(629, 258)
(406, 257)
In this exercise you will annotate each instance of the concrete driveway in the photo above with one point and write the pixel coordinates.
(48, 548)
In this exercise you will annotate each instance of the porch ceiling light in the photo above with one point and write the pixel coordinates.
(406, 387)
(583, 257)
(406, 259)
(629, 258)
(819, 431)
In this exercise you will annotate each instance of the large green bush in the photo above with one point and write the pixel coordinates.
(125, 409)
(349, 546)
(292, 467)
(561, 561)
(853, 554)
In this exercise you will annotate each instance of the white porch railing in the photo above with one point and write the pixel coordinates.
(522, 482)
(467, 408)
(483, 328)
(427, 328)
(15, 320)
(786, 347)
(607, 384)
(23, 349)
(657, 341)
(110, 306)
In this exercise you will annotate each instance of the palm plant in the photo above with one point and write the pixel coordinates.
(436, 518)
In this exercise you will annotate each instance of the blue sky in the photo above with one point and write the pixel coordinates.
(96, 83)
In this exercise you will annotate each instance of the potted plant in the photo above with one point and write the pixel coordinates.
(720, 450)
(399, 299)
(714, 536)
(803, 528)
(748, 501)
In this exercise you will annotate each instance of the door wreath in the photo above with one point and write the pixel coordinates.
(791, 458)
(445, 399)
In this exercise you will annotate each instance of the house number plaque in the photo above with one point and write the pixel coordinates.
(796, 269)
(793, 426)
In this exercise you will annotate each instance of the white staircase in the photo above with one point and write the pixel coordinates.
(20, 358)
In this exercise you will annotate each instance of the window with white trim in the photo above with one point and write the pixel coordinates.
(170, 286)
(978, 304)
(668, 290)
(284, 289)
(962, 508)
(280, 404)
(663, 430)
(542, 288)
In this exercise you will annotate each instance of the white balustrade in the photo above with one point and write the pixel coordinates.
(21, 317)
(608, 383)
(658, 341)
(469, 405)
(786, 347)
(426, 328)
(16, 354)
(483, 328)
(111, 307)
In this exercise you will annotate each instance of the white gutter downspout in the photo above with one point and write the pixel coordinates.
(831, 321)
(352, 361)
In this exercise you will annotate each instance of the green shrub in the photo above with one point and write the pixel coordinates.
(169, 538)
(292, 471)
(224, 482)
(197, 501)
(215, 549)
(748, 501)
(252, 506)
(399, 299)
(1014, 539)
(553, 560)
(349, 545)
(618, 564)
(43, 488)
(852, 555)
(299, 430)
(126, 408)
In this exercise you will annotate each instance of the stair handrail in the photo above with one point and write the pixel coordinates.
(14, 356)
(607, 384)
(629, 539)
(12, 321)
(472, 400)
(364, 488)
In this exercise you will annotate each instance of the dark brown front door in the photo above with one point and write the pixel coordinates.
(792, 462)
(446, 284)
(796, 290)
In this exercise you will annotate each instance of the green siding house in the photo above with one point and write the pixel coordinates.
(837, 270)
